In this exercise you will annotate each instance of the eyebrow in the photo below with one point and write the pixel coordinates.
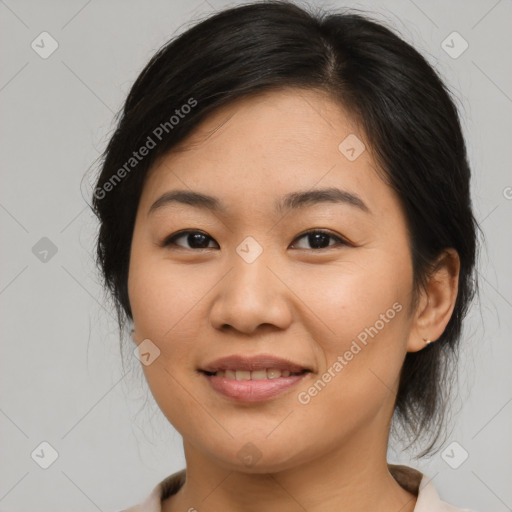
(291, 201)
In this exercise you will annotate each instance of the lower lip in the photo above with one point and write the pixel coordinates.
(253, 390)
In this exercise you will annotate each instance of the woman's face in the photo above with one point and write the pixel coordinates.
(249, 285)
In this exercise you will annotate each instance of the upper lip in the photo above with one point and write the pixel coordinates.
(253, 363)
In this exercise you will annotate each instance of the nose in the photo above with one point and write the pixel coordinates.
(250, 296)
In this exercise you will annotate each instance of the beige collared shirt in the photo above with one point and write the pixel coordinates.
(410, 479)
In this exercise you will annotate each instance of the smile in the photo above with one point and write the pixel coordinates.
(254, 378)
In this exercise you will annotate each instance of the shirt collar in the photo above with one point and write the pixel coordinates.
(409, 478)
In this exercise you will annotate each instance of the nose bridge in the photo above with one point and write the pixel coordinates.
(251, 277)
(251, 294)
(250, 268)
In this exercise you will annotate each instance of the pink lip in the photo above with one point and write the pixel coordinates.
(252, 390)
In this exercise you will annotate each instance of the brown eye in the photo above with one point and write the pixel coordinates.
(195, 240)
(318, 239)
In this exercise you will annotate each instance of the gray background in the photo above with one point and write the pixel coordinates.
(61, 375)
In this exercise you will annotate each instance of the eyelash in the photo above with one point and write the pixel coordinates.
(170, 240)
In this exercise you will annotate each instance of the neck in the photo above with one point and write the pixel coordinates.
(354, 478)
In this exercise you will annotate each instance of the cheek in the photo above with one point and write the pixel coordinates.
(164, 297)
(164, 304)
(361, 330)
(363, 350)
(348, 297)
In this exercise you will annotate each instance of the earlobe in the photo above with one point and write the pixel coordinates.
(133, 336)
(437, 302)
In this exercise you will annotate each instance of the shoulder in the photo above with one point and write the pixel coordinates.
(417, 483)
(167, 487)
(429, 500)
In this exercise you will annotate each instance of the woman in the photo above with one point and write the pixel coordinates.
(285, 221)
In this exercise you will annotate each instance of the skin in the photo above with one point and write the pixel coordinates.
(294, 301)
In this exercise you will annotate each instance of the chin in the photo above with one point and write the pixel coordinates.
(254, 457)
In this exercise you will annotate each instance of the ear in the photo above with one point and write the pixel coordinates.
(436, 301)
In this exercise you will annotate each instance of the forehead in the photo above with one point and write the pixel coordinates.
(267, 122)
(259, 148)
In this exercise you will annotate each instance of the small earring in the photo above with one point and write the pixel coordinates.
(427, 341)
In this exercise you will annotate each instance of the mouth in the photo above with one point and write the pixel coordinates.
(265, 374)
(253, 379)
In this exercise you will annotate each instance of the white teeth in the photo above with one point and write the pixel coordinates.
(273, 373)
(270, 373)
